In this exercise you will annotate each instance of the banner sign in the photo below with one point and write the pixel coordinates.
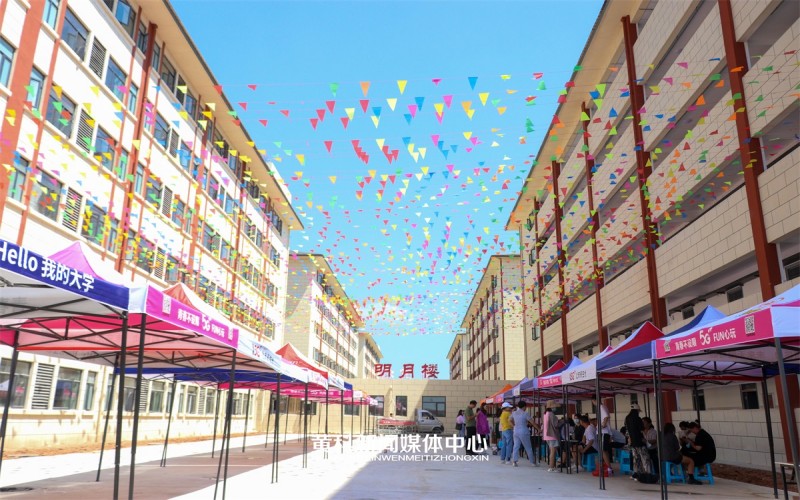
(746, 328)
(179, 314)
(31, 265)
(550, 381)
(259, 351)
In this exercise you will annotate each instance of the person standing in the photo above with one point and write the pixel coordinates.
(522, 436)
(604, 428)
(640, 458)
(507, 430)
(651, 441)
(470, 423)
(482, 427)
(460, 423)
(550, 434)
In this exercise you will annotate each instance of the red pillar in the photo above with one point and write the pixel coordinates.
(561, 262)
(750, 151)
(539, 281)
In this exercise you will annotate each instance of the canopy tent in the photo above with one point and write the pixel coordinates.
(497, 397)
(708, 315)
(49, 307)
(552, 377)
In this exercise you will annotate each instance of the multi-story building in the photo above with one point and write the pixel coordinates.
(321, 321)
(667, 182)
(369, 355)
(115, 132)
(456, 356)
(493, 324)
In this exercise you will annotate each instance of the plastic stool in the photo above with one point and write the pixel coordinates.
(704, 477)
(625, 462)
(543, 450)
(673, 472)
(589, 462)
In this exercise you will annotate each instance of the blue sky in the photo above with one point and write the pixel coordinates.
(410, 213)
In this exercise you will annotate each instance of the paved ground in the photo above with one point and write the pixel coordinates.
(354, 474)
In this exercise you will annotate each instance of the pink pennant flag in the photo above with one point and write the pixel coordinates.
(263, 122)
(321, 114)
(412, 109)
(436, 81)
(448, 99)
(331, 105)
(435, 139)
(314, 122)
(345, 121)
(364, 104)
(285, 112)
(251, 86)
(243, 105)
(328, 145)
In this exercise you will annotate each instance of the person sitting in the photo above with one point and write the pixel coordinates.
(684, 432)
(670, 445)
(590, 444)
(700, 451)
(618, 439)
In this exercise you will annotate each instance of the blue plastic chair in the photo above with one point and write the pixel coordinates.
(589, 462)
(625, 462)
(704, 477)
(673, 472)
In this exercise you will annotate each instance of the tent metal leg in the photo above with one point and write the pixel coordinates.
(352, 420)
(246, 416)
(305, 428)
(9, 396)
(659, 420)
(169, 421)
(275, 441)
(269, 416)
(770, 437)
(286, 422)
(696, 399)
(319, 421)
(790, 422)
(120, 403)
(601, 465)
(326, 411)
(216, 420)
(137, 403)
(341, 419)
(108, 416)
(232, 383)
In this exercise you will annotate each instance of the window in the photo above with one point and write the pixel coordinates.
(46, 195)
(634, 399)
(687, 312)
(109, 393)
(161, 131)
(699, 402)
(190, 104)
(156, 397)
(734, 293)
(115, 79)
(152, 192)
(35, 87)
(88, 393)
(144, 255)
(376, 410)
(6, 60)
(168, 75)
(60, 112)
(130, 393)
(141, 38)
(74, 34)
(122, 165)
(113, 240)
(211, 398)
(104, 148)
(93, 223)
(749, 396)
(185, 156)
(51, 12)
(133, 95)
(16, 183)
(173, 267)
(21, 378)
(191, 399)
(139, 179)
(791, 266)
(352, 410)
(156, 56)
(437, 405)
(535, 332)
(68, 387)
(178, 213)
(125, 15)
(401, 406)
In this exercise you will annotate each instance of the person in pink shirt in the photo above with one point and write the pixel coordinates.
(550, 433)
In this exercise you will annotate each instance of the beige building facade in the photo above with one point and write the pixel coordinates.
(667, 182)
(369, 355)
(493, 325)
(321, 321)
(458, 361)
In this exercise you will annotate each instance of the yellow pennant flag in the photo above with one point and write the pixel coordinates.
(392, 103)
(350, 112)
(484, 96)
(401, 84)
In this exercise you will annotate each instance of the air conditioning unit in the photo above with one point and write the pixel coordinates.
(495, 333)
(495, 359)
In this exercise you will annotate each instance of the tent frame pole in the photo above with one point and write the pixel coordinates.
(169, 420)
(269, 416)
(120, 402)
(305, 428)
(216, 419)
(226, 437)
(326, 411)
(286, 423)
(659, 420)
(108, 415)
(276, 442)
(790, 414)
(600, 461)
(770, 437)
(352, 419)
(341, 418)
(246, 416)
(696, 399)
(9, 396)
(137, 401)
